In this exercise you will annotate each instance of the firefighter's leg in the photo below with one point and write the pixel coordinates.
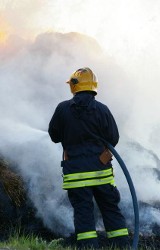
(82, 201)
(107, 198)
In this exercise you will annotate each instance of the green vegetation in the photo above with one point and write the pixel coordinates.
(22, 242)
(31, 243)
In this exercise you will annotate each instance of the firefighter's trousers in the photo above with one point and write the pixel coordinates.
(107, 198)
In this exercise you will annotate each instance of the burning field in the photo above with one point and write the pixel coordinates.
(32, 83)
(19, 215)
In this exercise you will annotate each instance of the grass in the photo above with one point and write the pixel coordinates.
(34, 243)
(21, 242)
(30, 243)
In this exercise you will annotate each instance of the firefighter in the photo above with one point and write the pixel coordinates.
(83, 126)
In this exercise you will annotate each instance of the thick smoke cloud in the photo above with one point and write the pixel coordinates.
(32, 83)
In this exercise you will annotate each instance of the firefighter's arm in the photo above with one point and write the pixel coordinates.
(111, 131)
(54, 129)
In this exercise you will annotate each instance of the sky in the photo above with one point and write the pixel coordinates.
(127, 30)
(120, 41)
(124, 26)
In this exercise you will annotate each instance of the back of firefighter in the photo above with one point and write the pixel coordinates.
(83, 126)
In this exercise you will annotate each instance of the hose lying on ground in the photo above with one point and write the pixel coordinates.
(133, 193)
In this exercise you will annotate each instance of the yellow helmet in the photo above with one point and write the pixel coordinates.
(83, 80)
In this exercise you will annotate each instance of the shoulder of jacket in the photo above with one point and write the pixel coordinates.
(63, 104)
(101, 106)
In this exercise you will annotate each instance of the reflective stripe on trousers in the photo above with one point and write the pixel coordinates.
(117, 233)
(87, 179)
(87, 175)
(87, 235)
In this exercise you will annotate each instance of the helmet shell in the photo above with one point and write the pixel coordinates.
(83, 80)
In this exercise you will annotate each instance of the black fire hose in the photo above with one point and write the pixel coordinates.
(133, 193)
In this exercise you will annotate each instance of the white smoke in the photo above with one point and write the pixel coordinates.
(32, 83)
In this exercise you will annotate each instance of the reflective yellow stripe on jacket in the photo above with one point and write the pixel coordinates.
(87, 235)
(116, 233)
(87, 179)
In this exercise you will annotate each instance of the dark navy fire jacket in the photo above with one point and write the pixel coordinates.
(83, 125)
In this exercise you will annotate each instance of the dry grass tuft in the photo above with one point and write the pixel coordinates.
(12, 183)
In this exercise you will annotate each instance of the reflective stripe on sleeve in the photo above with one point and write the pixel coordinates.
(87, 175)
(87, 235)
(87, 183)
(117, 233)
